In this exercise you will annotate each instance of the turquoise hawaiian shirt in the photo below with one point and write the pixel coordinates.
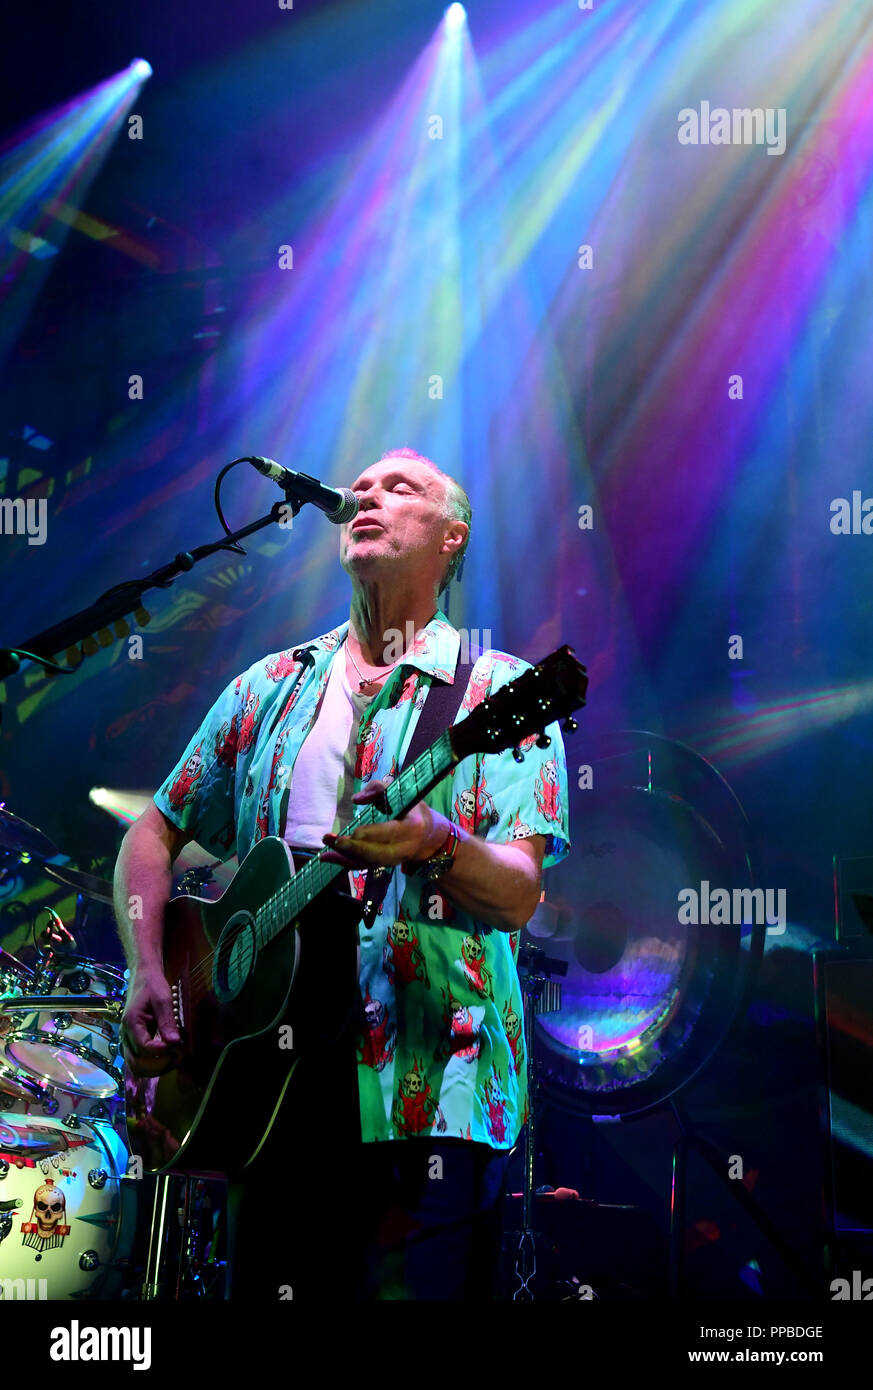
(441, 1045)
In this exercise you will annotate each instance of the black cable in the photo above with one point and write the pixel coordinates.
(236, 547)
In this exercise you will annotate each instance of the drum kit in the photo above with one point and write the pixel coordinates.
(67, 1206)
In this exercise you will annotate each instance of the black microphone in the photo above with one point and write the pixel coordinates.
(338, 504)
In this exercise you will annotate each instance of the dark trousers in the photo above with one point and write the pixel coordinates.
(320, 1215)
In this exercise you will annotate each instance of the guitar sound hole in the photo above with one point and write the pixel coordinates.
(235, 956)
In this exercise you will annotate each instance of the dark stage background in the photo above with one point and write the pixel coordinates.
(699, 378)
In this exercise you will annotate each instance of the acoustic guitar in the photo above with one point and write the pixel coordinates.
(246, 971)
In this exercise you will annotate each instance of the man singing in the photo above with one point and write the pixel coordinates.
(398, 1195)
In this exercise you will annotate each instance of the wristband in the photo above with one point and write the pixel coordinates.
(441, 860)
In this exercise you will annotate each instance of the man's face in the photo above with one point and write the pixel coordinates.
(401, 514)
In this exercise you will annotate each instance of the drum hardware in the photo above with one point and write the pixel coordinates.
(188, 1247)
(17, 1090)
(191, 1266)
(15, 1087)
(194, 1261)
(61, 1004)
(12, 969)
(541, 995)
(151, 1289)
(77, 1049)
(14, 978)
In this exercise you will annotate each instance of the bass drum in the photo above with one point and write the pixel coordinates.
(67, 1210)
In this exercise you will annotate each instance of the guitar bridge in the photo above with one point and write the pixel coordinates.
(178, 1008)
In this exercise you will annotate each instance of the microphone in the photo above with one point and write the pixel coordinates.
(338, 504)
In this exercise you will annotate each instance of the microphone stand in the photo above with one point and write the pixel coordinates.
(541, 995)
(125, 598)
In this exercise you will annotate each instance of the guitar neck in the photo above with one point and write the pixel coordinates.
(413, 783)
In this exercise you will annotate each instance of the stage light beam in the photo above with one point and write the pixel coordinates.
(456, 18)
(141, 68)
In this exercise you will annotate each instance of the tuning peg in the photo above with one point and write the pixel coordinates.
(518, 755)
(569, 726)
(543, 741)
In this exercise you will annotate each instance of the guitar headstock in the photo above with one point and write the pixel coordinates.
(551, 690)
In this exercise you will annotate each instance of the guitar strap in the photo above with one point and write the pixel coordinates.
(441, 705)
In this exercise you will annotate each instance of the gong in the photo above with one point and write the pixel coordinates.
(646, 999)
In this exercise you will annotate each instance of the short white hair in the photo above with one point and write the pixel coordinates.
(458, 506)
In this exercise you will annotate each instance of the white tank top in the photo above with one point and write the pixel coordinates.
(322, 782)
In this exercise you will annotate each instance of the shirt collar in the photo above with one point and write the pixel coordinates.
(434, 651)
(327, 642)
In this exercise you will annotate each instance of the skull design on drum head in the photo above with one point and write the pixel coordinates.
(46, 1229)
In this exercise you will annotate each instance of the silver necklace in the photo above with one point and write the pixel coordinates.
(368, 680)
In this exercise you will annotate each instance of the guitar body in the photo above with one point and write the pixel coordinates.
(235, 1003)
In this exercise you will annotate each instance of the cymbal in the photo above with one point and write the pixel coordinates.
(21, 838)
(92, 887)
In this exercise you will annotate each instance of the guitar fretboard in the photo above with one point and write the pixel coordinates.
(414, 782)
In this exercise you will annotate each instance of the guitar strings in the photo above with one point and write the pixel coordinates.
(201, 971)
